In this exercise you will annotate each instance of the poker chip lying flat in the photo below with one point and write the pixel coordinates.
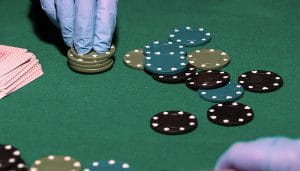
(134, 59)
(165, 63)
(230, 114)
(19, 166)
(230, 92)
(175, 78)
(56, 163)
(173, 122)
(260, 81)
(208, 80)
(164, 48)
(208, 59)
(9, 156)
(110, 165)
(189, 36)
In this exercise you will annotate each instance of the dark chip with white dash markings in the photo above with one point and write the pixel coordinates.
(260, 81)
(209, 79)
(174, 122)
(9, 156)
(230, 114)
(175, 78)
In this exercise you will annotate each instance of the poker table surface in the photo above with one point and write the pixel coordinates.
(106, 116)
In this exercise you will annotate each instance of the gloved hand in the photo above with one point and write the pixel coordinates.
(85, 24)
(267, 154)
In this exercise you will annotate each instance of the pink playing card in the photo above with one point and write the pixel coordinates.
(31, 75)
(4, 48)
(37, 73)
(17, 73)
(12, 60)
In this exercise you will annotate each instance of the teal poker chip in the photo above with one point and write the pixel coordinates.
(110, 165)
(190, 36)
(164, 48)
(230, 92)
(165, 63)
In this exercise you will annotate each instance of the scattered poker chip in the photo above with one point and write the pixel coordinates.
(56, 163)
(164, 48)
(173, 122)
(165, 64)
(175, 78)
(9, 156)
(134, 59)
(208, 59)
(18, 166)
(260, 81)
(110, 165)
(228, 93)
(189, 36)
(209, 79)
(230, 114)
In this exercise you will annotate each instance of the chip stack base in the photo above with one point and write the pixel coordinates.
(92, 62)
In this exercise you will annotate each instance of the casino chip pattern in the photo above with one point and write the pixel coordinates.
(165, 63)
(110, 165)
(135, 59)
(173, 122)
(230, 114)
(10, 158)
(190, 36)
(260, 81)
(208, 59)
(92, 62)
(208, 80)
(164, 48)
(57, 163)
(230, 92)
(175, 78)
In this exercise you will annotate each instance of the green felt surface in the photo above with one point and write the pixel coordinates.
(96, 117)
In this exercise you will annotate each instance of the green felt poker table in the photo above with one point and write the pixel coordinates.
(106, 116)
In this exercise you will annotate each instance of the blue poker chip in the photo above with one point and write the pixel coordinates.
(164, 48)
(230, 92)
(190, 36)
(165, 63)
(110, 165)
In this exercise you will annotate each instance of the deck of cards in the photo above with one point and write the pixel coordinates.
(18, 67)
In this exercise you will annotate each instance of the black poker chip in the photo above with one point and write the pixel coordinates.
(260, 81)
(209, 79)
(18, 166)
(173, 122)
(230, 114)
(9, 156)
(175, 78)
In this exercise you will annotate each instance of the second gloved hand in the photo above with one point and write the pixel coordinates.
(85, 24)
(267, 154)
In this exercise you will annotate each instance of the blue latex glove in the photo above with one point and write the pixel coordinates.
(267, 154)
(85, 24)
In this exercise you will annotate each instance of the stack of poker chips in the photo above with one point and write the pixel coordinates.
(18, 67)
(10, 159)
(92, 62)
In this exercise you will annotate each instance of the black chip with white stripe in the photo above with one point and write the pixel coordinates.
(230, 114)
(174, 122)
(209, 79)
(260, 81)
